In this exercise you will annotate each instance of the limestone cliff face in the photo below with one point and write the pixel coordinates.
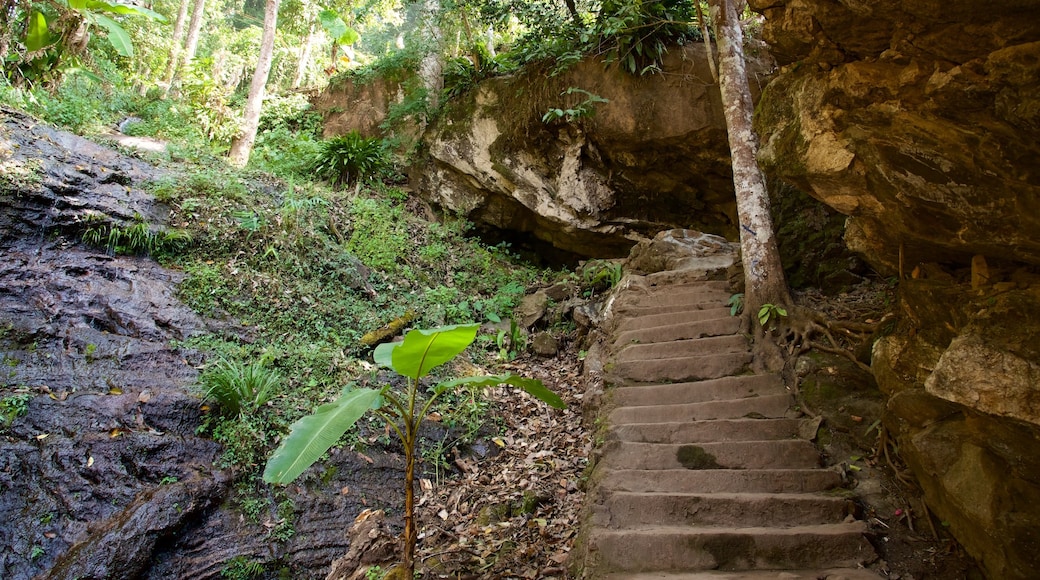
(920, 121)
(653, 157)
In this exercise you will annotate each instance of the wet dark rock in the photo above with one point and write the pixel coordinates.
(104, 476)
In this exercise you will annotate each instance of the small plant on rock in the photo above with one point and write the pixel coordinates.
(770, 312)
(414, 358)
(238, 387)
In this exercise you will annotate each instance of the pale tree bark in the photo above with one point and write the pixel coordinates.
(177, 45)
(763, 273)
(242, 146)
(305, 57)
(703, 24)
(431, 67)
(191, 44)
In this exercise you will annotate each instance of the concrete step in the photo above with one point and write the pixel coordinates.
(768, 406)
(700, 329)
(634, 509)
(668, 548)
(640, 322)
(727, 343)
(725, 388)
(817, 574)
(721, 480)
(689, 368)
(714, 431)
(788, 453)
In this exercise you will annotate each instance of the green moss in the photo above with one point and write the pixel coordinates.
(695, 457)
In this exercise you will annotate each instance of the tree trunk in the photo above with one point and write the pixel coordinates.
(432, 65)
(176, 45)
(703, 24)
(305, 58)
(191, 44)
(763, 273)
(242, 146)
(573, 10)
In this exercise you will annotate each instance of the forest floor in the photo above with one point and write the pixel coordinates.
(516, 514)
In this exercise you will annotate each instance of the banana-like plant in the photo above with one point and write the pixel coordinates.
(414, 358)
(58, 31)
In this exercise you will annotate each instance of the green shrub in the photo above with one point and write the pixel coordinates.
(350, 158)
(238, 387)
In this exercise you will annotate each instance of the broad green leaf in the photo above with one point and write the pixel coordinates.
(534, 387)
(37, 36)
(423, 350)
(314, 434)
(77, 4)
(78, 70)
(332, 23)
(349, 37)
(98, 5)
(118, 37)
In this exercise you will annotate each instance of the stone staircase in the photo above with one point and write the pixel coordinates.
(707, 471)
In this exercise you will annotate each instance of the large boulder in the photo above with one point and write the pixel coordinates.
(919, 121)
(654, 156)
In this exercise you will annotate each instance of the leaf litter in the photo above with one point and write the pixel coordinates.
(514, 513)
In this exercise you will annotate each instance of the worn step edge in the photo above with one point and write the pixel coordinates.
(621, 312)
(768, 406)
(679, 347)
(817, 574)
(721, 480)
(673, 332)
(674, 295)
(634, 509)
(670, 548)
(693, 368)
(776, 454)
(627, 322)
(714, 431)
(725, 388)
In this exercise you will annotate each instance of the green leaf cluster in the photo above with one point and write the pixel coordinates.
(415, 357)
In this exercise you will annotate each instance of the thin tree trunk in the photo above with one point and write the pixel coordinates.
(573, 9)
(305, 58)
(242, 146)
(176, 45)
(432, 65)
(763, 273)
(191, 44)
(707, 42)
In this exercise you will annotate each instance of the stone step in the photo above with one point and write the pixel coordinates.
(673, 296)
(818, 574)
(714, 431)
(768, 406)
(629, 312)
(787, 453)
(667, 318)
(690, 368)
(668, 548)
(704, 328)
(725, 388)
(634, 509)
(722, 480)
(728, 343)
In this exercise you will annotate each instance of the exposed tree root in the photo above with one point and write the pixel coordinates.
(805, 329)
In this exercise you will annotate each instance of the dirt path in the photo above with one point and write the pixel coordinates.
(707, 470)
